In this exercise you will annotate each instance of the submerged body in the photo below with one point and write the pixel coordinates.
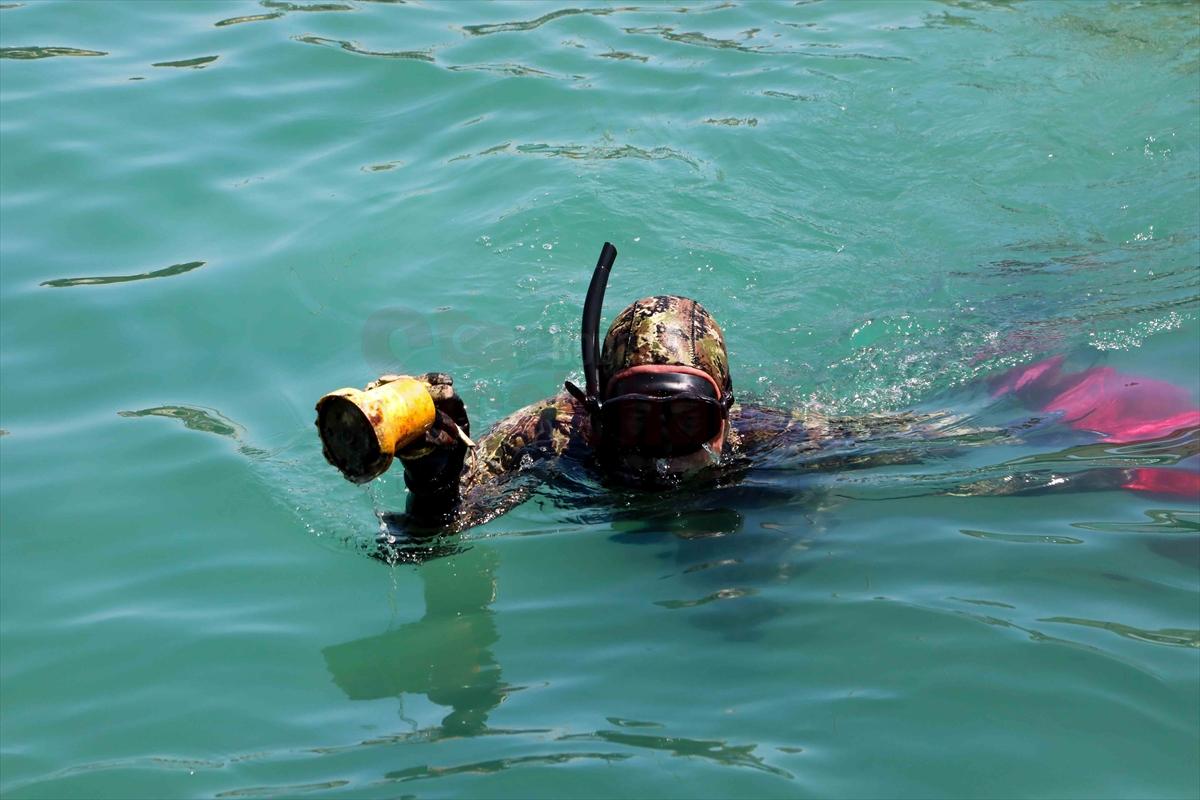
(521, 451)
(659, 413)
(559, 427)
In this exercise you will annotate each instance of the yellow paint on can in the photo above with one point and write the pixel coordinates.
(361, 431)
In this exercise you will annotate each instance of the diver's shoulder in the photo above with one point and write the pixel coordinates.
(560, 405)
(548, 425)
(752, 414)
(756, 423)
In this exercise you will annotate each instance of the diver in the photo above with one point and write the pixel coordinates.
(658, 410)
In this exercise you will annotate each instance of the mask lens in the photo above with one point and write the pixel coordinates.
(691, 422)
(661, 426)
(632, 423)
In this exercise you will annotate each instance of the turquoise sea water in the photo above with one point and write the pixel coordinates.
(211, 213)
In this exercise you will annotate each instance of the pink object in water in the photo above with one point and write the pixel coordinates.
(1156, 480)
(1120, 408)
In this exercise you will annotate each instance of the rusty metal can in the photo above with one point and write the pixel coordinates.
(361, 431)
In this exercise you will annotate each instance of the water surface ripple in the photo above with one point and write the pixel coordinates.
(884, 203)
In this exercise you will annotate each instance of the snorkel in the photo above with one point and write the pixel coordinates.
(589, 335)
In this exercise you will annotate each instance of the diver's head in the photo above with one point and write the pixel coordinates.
(664, 391)
(659, 395)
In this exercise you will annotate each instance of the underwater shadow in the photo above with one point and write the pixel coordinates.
(445, 656)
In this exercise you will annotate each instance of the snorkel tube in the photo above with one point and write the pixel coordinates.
(589, 334)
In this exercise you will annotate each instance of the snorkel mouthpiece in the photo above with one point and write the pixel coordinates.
(589, 335)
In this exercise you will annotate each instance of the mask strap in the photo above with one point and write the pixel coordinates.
(592, 404)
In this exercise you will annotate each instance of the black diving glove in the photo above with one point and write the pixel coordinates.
(433, 464)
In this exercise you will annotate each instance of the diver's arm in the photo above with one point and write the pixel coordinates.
(433, 465)
(511, 461)
(453, 487)
(433, 483)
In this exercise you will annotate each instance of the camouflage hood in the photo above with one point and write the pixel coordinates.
(665, 329)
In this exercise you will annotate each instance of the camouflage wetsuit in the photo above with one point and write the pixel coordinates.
(512, 458)
(467, 487)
